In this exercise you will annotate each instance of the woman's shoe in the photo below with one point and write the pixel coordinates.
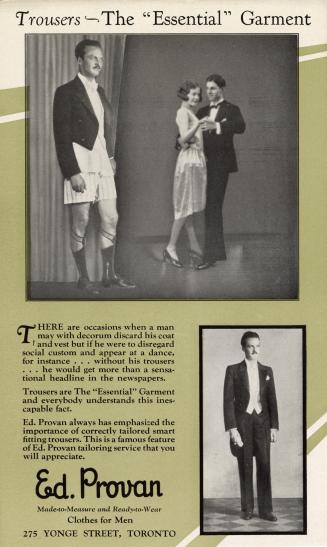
(168, 258)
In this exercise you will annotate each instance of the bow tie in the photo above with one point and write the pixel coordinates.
(216, 105)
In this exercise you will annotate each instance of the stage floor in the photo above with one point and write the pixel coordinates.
(257, 267)
(222, 516)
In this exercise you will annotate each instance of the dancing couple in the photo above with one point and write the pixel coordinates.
(206, 158)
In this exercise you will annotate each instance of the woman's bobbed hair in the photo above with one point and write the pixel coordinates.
(186, 87)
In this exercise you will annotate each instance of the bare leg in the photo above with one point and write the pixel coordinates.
(109, 218)
(79, 222)
(194, 244)
(174, 235)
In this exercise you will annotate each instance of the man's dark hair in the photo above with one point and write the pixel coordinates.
(81, 46)
(248, 334)
(219, 80)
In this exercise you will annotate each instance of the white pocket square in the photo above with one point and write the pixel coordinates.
(267, 378)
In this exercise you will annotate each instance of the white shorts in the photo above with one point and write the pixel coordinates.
(98, 187)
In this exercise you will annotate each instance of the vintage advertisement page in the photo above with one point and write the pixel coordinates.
(163, 273)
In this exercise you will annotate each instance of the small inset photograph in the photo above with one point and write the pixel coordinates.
(252, 434)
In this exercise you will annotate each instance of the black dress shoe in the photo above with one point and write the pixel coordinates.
(123, 283)
(195, 258)
(246, 515)
(206, 264)
(168, 258)
(195, 254)
(268, 516)
(86, 285)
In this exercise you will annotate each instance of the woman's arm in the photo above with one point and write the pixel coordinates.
(185, 132)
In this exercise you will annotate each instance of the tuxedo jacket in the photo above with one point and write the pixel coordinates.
(74, 120)
(237, 394)
(219, 149)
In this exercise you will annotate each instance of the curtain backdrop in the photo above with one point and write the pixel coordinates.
(50, 62)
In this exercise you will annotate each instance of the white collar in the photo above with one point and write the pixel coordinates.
(91, 84)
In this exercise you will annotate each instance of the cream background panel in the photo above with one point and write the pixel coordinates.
(311, 309)
(12, 36)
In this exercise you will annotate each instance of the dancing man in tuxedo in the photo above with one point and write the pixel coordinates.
(251, 417)
(223, 121)
(82, 121)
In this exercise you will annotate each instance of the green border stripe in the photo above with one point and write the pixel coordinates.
(316, 438)
(207, 540)
(312, 49)
(12, 101)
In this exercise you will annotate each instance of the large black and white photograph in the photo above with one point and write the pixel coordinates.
(162, 166)
(252, 390)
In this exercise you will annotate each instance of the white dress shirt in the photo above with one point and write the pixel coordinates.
(97, 159)
(213, 114)
(254, 386)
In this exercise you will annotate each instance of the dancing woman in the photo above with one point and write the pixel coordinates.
(190, 179)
